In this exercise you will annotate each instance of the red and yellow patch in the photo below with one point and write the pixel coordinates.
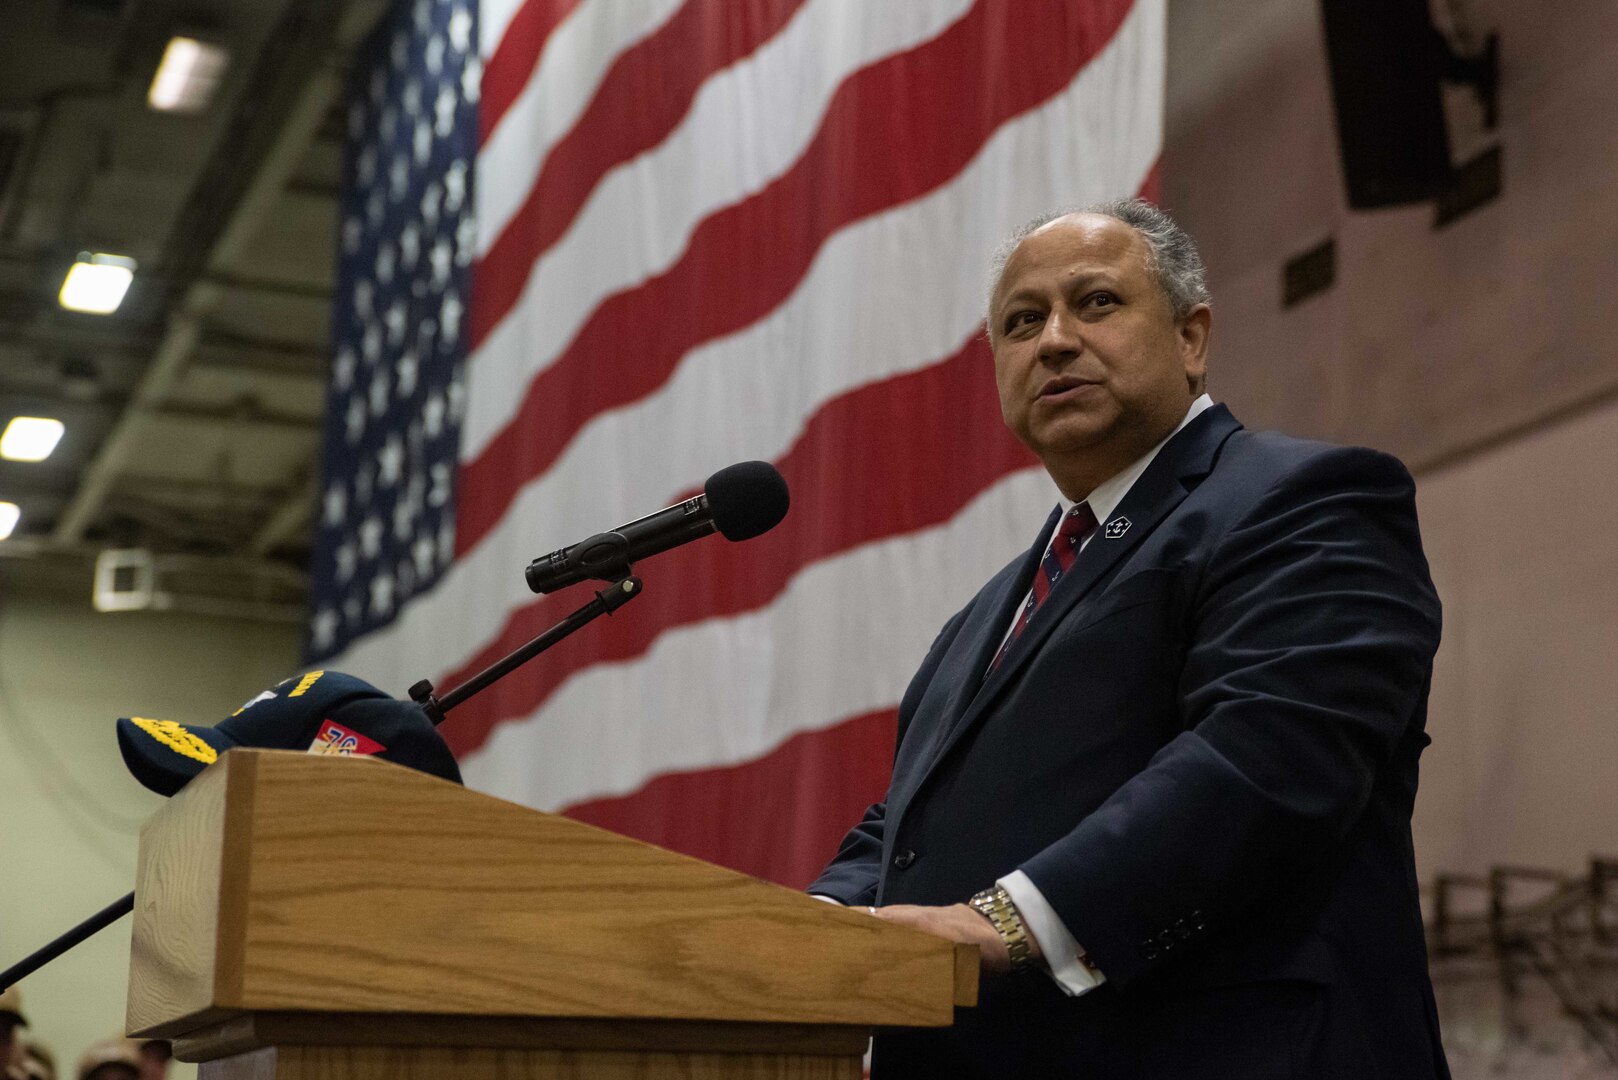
(334, 738)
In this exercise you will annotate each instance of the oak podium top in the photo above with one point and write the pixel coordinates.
(279, 882)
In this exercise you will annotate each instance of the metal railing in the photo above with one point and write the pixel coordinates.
(1528, 922)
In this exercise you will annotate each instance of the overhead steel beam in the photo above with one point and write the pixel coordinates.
(286, 357)
(257, 357)
(235, 416)
(166, 368)
(296, 290)
(288, 518)
(254, 375)
(200, 296)
(78, 335)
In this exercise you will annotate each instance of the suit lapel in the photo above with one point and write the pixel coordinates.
(989, 633)
(1178, 467)
(978, 646)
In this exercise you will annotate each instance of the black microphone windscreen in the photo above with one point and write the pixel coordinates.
(746, 499)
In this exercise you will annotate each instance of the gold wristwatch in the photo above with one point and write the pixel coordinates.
(996, 906)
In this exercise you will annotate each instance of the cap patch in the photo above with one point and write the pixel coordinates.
(176, 738)
(305, 683)
(334, 738)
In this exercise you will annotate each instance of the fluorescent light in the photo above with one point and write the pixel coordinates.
(187, 77)
(97, 283)
(8, 518)
(30, 438)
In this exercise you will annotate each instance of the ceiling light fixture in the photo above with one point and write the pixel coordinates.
(97, 283)
(9, 513)
(187, 77)
(30, 438)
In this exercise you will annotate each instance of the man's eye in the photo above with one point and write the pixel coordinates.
(1020, 318)
(1102, 299)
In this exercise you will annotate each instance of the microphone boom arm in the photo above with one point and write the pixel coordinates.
(46, 953)
(605, 602)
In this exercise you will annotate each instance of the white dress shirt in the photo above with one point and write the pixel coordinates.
(1063, 954)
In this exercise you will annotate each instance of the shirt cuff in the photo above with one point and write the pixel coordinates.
(1062, 954)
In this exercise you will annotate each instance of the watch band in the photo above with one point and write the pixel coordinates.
(996, 906)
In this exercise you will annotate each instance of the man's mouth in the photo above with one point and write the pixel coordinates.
(1064, 385)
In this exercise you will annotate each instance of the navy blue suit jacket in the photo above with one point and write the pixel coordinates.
(1203, 751)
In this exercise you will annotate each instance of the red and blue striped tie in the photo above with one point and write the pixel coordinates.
(1075, 527)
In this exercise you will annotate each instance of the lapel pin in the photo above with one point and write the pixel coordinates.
(1117, 527)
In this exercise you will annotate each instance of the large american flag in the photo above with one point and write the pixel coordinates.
(594, 250)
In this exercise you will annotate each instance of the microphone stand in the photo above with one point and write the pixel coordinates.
(607, 601)
(42, 956)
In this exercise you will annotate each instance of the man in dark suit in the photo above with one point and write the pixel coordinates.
(1165, 761)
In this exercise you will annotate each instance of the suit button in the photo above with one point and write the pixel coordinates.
(904, 859)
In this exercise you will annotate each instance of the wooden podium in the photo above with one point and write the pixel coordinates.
(308, 917)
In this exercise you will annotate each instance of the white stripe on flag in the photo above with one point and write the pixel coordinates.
(659, 197)
(729, 690)
(1097, 139)
(576, 56)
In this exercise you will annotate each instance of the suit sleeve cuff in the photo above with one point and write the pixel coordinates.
(1061, 952)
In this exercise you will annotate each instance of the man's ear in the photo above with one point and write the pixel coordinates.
(1194, 329)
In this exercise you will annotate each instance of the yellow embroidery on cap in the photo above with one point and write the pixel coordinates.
(178, 739)
(308, 681)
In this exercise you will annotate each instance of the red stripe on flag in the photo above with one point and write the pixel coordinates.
(948, 403)
(642, 98)
(838, 502)
(809, 790)
(513, 60)
(893, 132)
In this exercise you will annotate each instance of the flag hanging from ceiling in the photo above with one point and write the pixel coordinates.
(595, 250)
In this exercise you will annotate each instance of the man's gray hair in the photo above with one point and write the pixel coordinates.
(1172, 256)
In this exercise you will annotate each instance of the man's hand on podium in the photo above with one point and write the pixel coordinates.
(957, 922)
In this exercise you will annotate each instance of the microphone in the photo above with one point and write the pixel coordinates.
(740, 501)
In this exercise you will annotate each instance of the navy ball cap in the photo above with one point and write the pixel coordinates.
(323, 712)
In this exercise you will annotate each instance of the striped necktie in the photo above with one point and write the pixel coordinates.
(1075, 527)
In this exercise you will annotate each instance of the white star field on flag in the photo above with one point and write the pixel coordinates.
(386, 522)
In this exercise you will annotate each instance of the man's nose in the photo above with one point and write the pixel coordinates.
(1059, 339)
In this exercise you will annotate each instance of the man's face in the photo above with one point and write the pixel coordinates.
(1092, 366)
